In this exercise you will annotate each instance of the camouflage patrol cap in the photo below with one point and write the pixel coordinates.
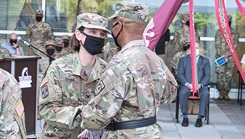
(65, 37)
(39, 12)
(187, 41)
(229, 18)
(91, 20)
(50, 42)
(131, 10)
(59, 42)
(185, 17)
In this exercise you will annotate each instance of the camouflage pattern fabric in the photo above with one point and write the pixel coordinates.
(175, 61)
(64, 91)
(91, 20)
(131, 88)
(225, 72)
(182, 36)
(112, 51)
(4, 53)
(37, 35)
(12, 125)
(131, 10)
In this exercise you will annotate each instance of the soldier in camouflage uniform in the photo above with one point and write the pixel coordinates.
(12, 116)
(38, 33)
(66, 41)
(133, 84)
(59, 46)
(4, 53)
(46, 61)
(224, 72)
(70, 81)
(181, 37)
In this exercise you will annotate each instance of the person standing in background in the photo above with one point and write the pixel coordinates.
(38, 33)
(181, 37)
(66, 41)
(225, 72)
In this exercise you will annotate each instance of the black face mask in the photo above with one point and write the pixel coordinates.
(115, 38)
(66, 43)
(229, 24)
(50, 51)
(58, 48)
(92, 44)
(187, 23)
(39, 18)
(186, 47)
(12, 41)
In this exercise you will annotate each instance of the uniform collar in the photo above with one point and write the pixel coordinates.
(132, 43)
(77, 67)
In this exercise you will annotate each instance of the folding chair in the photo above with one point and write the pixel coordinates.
(191, 97)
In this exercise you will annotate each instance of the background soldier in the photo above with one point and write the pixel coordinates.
(4, 53)
(66, 41)
(12, 116)
(224, 72)
(133, 84)
(38, 33)
(181, 37)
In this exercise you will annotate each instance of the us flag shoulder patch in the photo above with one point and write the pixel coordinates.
(100, 86)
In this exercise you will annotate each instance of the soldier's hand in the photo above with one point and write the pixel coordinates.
(226, 56)
(15, 45)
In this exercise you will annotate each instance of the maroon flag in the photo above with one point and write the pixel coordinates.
(160, 22)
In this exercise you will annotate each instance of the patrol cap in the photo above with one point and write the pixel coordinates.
(185, 17)
(59, 42)
(65, 37)
(39, 12)
(187, 41)
(131, 10)
(49, 42)
(91, 20)
(229, 18)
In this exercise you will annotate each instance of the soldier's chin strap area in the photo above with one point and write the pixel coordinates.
(131, 124)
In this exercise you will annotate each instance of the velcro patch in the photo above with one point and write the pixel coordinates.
(100, 86)
(19, 108)
(44, 91)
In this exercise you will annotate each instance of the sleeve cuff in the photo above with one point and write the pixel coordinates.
(186, 84)
(201, 85)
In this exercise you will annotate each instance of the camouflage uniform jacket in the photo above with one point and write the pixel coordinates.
(12, 125)
(37, 35)
(130, 89)
(4, 53)
(221, 47)
(182, 36)
(63, 93)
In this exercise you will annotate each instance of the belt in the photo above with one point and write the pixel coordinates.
(131, 124)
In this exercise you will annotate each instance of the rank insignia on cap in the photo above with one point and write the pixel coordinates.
(44, 91)
(100, 87)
